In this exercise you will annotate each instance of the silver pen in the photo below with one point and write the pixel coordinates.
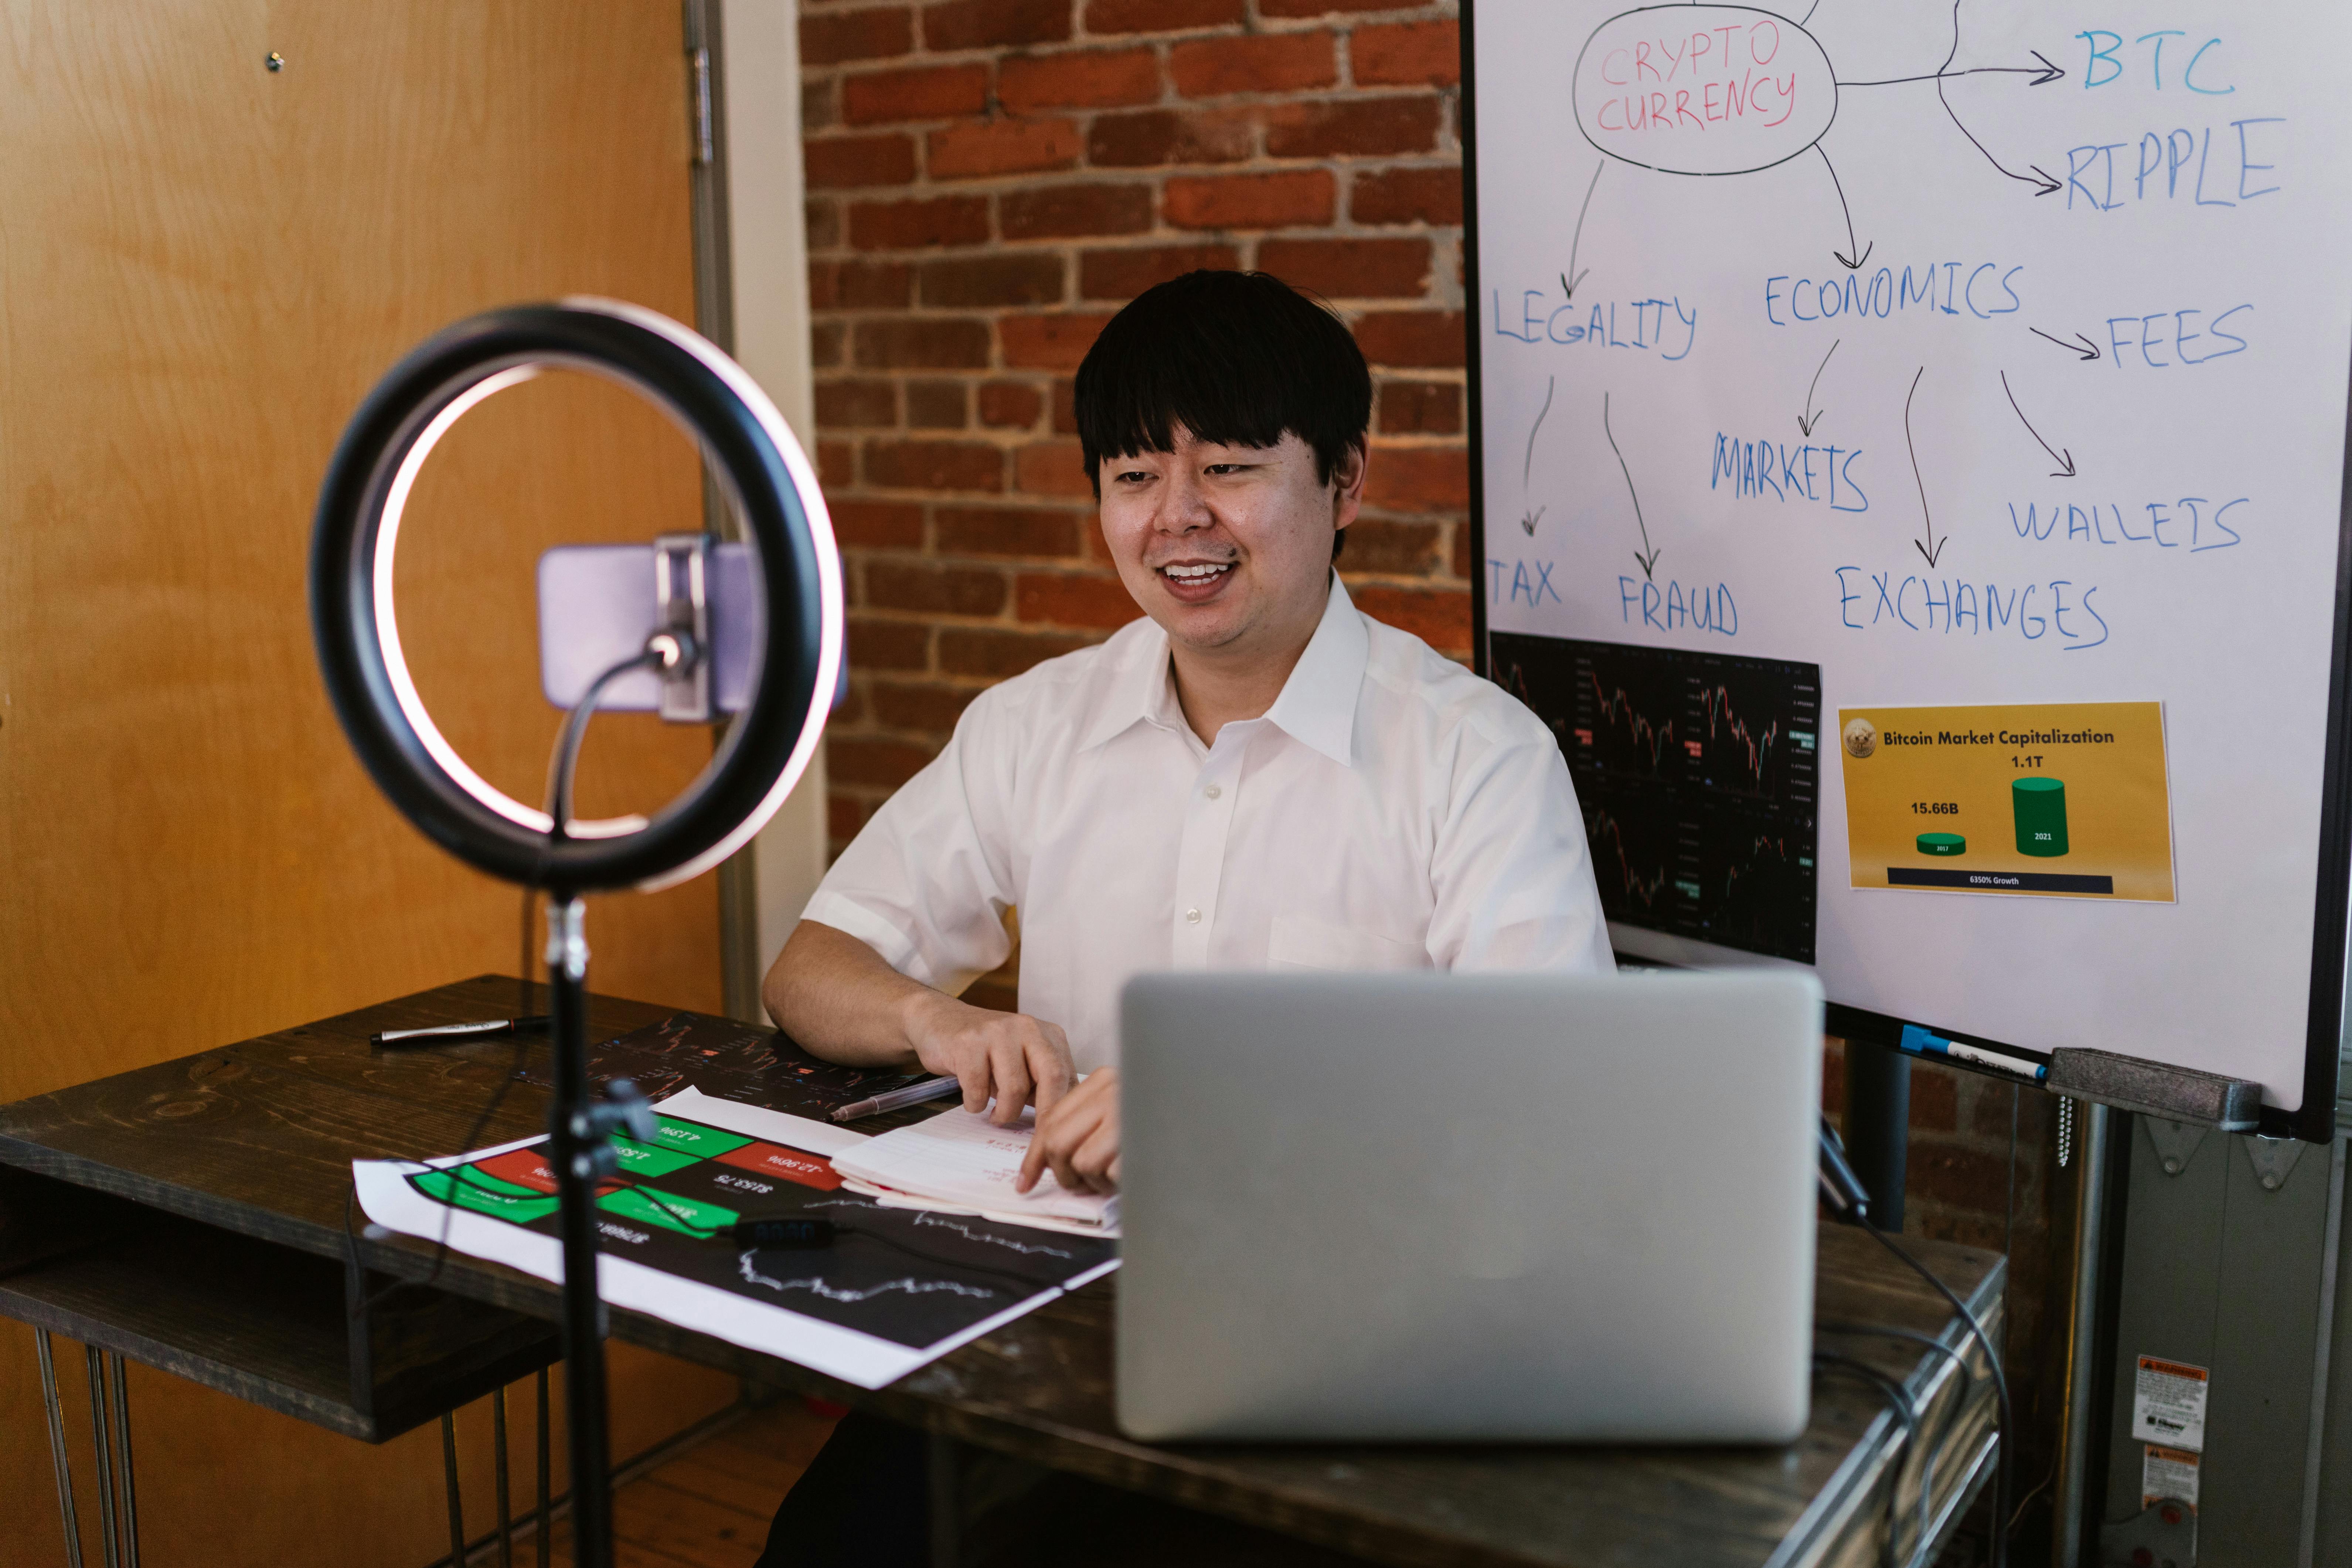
(490, 1028)
(913, 1094)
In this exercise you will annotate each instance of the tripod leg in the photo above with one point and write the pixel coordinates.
(572, 1144)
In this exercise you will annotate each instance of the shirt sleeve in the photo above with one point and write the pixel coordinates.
(1512, 874)
(926, 881)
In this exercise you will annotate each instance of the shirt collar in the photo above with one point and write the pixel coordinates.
(1316, 707)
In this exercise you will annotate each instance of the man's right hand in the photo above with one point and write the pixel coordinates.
(1010, 1058)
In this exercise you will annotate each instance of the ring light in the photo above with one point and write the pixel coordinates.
(765, 474)
(797, 575)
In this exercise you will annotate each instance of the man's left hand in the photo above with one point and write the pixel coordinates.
(1077, 1138)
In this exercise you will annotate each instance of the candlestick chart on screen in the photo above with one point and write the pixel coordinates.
(1695, 772)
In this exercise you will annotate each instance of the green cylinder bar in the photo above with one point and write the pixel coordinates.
(1942, 844)
(2041, 807)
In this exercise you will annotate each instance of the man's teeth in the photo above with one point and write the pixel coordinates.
(1194, 573)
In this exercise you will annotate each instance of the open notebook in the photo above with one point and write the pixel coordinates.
(962, 1160)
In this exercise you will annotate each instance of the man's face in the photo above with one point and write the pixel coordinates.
(1228, 548)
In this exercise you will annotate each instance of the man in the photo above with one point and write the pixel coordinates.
(1253, 777)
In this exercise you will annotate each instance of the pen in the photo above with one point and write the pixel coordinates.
(487, 1029)
(913, 1094)
(1920, 1042)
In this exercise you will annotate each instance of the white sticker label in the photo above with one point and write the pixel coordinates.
(2168, 1403)
(2166, 1473)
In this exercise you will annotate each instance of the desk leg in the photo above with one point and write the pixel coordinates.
(104, 1447)
(122, 1472)
(1878, 1126)
(57, 1413)
(541, 1546)
(947, 1521)
(449, 1489)
(506, 1511)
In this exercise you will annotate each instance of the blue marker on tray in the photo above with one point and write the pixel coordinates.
(1920, 1043)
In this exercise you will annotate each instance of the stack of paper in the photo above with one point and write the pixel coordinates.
(962, 1161)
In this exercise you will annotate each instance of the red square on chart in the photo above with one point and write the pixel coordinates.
(791, 1164)
(523, 1167)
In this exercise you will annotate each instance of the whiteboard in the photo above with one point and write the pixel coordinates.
(2102, 279)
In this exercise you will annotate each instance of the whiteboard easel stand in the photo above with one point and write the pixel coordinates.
(1878, 1127)
(2090, 1326)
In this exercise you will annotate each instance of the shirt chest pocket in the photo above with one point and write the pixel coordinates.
(1296, 941)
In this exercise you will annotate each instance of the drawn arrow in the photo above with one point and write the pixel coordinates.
(2040, 179)
(2042, 74)
(1530, 522)
(2065, 460)
(1650, 560)
(1528, 465)
(1851, 260)
(1567, 284)
(1922, 546)
(1808, 419)
(2088, 351)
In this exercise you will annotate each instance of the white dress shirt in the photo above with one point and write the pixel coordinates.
(1391, 811)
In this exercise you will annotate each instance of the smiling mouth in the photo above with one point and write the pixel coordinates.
(1197, 571)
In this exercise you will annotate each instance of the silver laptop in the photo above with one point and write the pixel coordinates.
(1502, 1207)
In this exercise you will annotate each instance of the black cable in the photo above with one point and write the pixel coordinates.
(1932, 1460)
(1929, 1341)
(566, 760)
(913, 1251)
(2032, 1492)
(1909, 1414)
(2001, 1466)
(561, 768)
(709, 1232)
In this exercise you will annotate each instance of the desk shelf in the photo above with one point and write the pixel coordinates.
(270, 1324)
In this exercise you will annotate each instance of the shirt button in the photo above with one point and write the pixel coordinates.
(1212, 792)
(1191, 917)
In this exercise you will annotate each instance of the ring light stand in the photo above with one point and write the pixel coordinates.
(773, 491)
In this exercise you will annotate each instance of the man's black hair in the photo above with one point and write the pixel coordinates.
(1236, 358)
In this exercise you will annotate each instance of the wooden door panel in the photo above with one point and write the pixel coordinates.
(203, 265)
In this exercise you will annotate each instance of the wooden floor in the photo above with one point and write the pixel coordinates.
(710, 1507)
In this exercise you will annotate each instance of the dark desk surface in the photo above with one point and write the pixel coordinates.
(258, 1139)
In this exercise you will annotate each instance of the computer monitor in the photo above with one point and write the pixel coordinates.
(1697, 772)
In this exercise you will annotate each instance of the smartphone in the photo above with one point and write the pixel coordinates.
(597, 606)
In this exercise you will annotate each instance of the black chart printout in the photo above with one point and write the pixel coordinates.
(1696, 775)
(896, 1288)
(909, 1275)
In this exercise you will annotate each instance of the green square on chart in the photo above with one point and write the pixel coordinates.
(486, 1194)
(685, 1216)
(645, 1159)
(694, 1138)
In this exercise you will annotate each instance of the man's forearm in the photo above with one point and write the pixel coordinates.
(837, 997)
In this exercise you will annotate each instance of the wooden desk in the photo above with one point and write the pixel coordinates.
(256, 1139)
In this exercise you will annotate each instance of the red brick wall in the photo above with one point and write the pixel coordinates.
(989, 179)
